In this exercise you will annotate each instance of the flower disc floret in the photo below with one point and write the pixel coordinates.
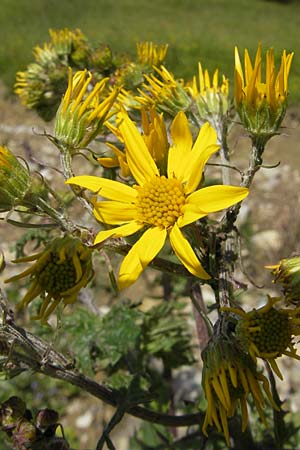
(57, 276)
(160, 202)
(270, 332)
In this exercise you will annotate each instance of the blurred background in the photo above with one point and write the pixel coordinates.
(201, 30)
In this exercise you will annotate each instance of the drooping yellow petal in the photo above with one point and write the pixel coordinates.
(124, 230)
(114, 213)
(185, 253)
(110, 189)
(213, 198)
(140, 255)
(139, 159)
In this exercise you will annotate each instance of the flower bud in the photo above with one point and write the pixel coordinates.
(150, 54)
(211, 98)
(14, 180)
(287, 272)
(164, 92)
(82, 112)
(261, 105)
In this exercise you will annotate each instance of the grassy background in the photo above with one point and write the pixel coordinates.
(196, 30)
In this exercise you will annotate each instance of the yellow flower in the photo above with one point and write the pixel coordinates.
(229, 376)
(210, 97)
(261, 105)
(60, 271)
(161, 204)
(151, 54)
(154, 133)
(268, 332)
(164, 92)
(82, 112)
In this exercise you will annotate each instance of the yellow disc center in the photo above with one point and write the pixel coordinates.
(160, 201)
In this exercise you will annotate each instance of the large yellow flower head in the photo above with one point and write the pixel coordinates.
(229, 377)
(261, 104)
(210, 96)
(160, 204)
(83, 110)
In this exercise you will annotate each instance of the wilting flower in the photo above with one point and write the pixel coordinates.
(261, 105)
(268, 332)
(229, 377)
(58, 274)
(210, 97)
(14, 180)
(82, 112)
(287, 272)
(154, 133)
(164, 92)
(151, 54)
(160, 203)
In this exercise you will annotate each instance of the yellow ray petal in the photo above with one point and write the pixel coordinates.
(214, 198)
(182, 144)
(185, 253)
(238, 78)
(139, 159)
(204, 146)
(110, 189)
(140, 255)
(114, 213)
(189, 216)
(122, 231)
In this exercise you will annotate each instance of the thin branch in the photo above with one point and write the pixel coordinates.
(29, 352)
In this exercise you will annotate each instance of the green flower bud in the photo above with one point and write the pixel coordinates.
(14, 180)
(82, 113)
(287, 272)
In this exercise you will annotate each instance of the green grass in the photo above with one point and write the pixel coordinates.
(196, 30)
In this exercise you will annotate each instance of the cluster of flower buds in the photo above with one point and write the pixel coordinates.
(41, 86)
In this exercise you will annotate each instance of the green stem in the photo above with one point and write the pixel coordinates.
(66, 163)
